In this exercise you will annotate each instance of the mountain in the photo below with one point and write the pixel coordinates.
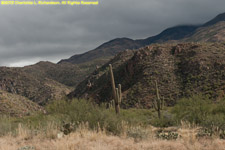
(180, 69)
(107, 49)
(174, 33)
(178, 34)
(213, 33)
(113, 47)
(218, 18)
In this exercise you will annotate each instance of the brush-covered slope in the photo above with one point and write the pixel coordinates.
(36, 88)
(180, 69)
(16, 105)
(65, 73)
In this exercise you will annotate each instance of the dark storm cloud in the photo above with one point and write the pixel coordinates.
(32, 33)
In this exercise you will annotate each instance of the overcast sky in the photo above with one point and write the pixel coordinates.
(29, 34)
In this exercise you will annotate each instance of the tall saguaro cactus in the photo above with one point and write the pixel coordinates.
(117, 94)
(158, 102)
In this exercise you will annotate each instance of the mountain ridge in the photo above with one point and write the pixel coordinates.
(170, 34)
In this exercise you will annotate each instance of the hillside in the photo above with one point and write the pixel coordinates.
(66, 73)
(180, 69)
(213, 33)
(36, 88)
(16, 105)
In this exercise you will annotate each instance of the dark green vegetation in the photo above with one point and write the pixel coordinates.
(198, 110)
(75, 112)
(204, 112)
(182, 70)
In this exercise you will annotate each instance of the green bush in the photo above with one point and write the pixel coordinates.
(82, 111)
(194, 109)
(204, 112)
(5, 125)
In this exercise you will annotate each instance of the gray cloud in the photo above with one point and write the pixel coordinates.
(32, 33)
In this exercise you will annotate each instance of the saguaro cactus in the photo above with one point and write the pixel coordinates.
(158, 102)
(117, 94)
(120, 93)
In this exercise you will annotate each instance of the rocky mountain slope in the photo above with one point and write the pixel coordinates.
(44, 81)
(180, 69)
(35, 88)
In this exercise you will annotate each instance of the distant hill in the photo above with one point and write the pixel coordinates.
(212, 33)
(180, 69)
(67, 74)
(218, 18)
(174, 33)
(107, 49)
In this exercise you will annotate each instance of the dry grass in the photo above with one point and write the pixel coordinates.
(84, 139)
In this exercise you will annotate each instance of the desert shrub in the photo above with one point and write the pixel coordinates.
(204, 112)
(194, 109)
(5, 125)
(163, 122)
(74, 112)
(137, 116)
(167, 135)
(167, 119)
(82, 111)
(138, 133)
